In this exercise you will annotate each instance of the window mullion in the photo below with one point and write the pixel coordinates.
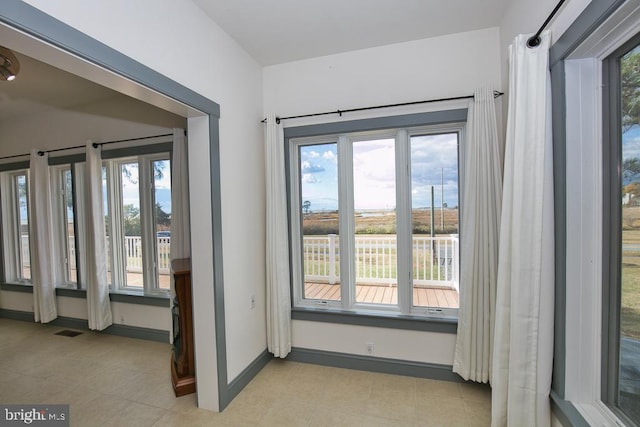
(116, 229)
(346, 222)
(403, 222)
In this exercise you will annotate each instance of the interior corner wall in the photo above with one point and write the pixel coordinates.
(526, 17)
(439, 67)
(212, 64)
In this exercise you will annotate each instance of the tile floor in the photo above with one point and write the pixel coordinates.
(115, 381)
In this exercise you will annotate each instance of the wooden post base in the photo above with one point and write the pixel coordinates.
(182, 385)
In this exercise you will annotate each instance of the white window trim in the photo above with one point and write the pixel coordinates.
(59, 219)
(584, 144)
(147, 222)
(347, 225)
(10, 217)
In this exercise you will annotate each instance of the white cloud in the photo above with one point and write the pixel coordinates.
(329, 155)
(309, 178)
(311, 154)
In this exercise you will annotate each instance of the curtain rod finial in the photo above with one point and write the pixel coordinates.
(278, 120)
(95, 144)
(533, 42)
(40, 153)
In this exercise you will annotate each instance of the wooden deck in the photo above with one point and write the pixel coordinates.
(377, 294)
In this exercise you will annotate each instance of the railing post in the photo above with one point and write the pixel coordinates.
(332, 259)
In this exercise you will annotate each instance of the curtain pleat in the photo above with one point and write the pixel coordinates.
(98, 305)
(523, 346)
(277, 256)
(180, 226)
(41, 239)
(479, 232)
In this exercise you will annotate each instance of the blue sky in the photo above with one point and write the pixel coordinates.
(433, 157)
(631, 147)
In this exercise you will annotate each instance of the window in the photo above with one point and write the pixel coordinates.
(137, 192)
(622, 313)
(63, 205)
(15, 227)
(374, 219)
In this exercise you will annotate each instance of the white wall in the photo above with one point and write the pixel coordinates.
(143, 316)
(109, 120)
(439, 67)
(178, 40)
(526, 17)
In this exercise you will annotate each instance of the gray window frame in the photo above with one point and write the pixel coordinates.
(383, 319)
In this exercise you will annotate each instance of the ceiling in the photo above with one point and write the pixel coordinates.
(40, 87)
(289, 30)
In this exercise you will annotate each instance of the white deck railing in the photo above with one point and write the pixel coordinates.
(435, 259)
(133, 252)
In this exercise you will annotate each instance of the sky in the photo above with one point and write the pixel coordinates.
(130, 189)
(433, 157)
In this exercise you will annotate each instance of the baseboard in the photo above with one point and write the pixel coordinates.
(82, 324)
(374, 364)
(566, 412)
(241, 381)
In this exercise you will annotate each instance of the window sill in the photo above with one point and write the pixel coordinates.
(17, 287)
(379, 320)
(156, 300)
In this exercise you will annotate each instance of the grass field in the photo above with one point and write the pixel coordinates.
(630, 295)
(382, 222)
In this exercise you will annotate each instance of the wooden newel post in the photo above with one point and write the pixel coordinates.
(183, 370)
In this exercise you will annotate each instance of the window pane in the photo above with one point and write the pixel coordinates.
(629, 372)
(69, 226)
(374, 201)
(162, 220)
(319, 211)
(22, 196)
(131, 225)
(434, 199)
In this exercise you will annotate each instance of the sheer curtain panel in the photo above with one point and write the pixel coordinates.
(180, 228)
(41, 239)
(278, 294)
(98, 304)
(480, 231)
(523, 345)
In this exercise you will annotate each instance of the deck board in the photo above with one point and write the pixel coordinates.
(384, 294)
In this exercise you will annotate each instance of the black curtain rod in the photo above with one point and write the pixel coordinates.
(351, 110)
(95, 145)
(535, 39)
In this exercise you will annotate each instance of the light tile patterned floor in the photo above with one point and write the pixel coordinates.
(115, 381)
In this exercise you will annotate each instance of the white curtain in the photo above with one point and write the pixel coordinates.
(180, 246)
(523, 346)
(480, 232)
(278, 295)
(180, 228)
(98, 304)
(41, 239)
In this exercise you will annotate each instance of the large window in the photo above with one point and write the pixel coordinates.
(137, 193)
(15, 227)
(374, 218)
(622, 321)
(63, 205)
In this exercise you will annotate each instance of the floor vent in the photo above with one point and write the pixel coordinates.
(68, 333)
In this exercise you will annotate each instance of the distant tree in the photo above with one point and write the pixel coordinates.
(162, 218)
(630, 169)
(131, 220)
(630, 85)
(306, 206)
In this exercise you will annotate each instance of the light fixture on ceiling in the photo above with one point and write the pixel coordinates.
(9, 64)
